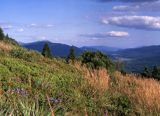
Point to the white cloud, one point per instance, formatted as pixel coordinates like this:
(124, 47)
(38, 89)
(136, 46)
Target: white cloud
(117, 34)
(34, 25)
(137, 22)
(20, 30)
(49, 25)
(146, 6)
(106, 35)
(126, 8)
(6, 27)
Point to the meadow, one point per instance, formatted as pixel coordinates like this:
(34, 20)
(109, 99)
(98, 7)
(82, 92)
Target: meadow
(32, 85)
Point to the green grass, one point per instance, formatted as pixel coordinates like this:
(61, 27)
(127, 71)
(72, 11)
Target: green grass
(27, 77)
(31, 85)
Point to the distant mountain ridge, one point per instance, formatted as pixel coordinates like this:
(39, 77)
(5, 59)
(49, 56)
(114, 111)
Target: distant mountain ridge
(57, 49)
(140, 52)
(62, 50)
(135, 59)
(104, 49)
(147, 56)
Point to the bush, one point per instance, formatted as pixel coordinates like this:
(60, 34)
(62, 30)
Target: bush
(96, 60)
(120, 105)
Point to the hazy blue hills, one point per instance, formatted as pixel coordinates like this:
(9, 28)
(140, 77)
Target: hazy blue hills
(57, 49)
(136, 59)
(141, 52)
(104, 49)
(62, 50)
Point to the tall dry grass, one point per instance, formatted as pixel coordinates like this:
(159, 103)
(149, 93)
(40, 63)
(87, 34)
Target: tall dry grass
(143, 93)
(98, 79)
(5, 46)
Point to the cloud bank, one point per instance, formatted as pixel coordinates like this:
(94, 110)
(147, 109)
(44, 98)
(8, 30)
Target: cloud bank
(137, 22)
(106, 35)
(6, 26)
(147, 6)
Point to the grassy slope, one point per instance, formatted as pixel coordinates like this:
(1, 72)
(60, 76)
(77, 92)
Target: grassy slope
(37, 76)
(31, 84)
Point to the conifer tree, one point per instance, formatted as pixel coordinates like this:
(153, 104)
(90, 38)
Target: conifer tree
(71, 55)
(7, 37)
(46, 52)
(1, 34)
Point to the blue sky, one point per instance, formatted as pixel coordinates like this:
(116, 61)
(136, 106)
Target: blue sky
(117, 23)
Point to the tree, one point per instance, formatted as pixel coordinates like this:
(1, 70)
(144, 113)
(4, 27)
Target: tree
(7, 36)
(71, 55)
(146, 72)
(156, 73)
(152, 73)
(1, 34)
(46, 51)
(96, 60)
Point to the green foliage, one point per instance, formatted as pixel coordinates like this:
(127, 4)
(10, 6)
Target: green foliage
(156, 72)
(152, 73)
(71, 55)
(96, 60)
(4, 71)
(67, 90)
(146, 72)
(22, 107)
(27, 78)
(25, 54)
(1, 34)
(46, 51)
(120, 105)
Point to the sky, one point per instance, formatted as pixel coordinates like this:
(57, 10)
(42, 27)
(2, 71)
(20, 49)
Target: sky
(114, 23)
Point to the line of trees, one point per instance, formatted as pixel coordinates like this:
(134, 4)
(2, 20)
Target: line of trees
(93, 60)
(152, 73)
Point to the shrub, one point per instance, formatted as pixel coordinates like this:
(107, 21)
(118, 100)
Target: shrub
(96, 60)
(120, 105)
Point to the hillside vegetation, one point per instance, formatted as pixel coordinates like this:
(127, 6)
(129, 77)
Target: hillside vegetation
(31, 84)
